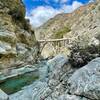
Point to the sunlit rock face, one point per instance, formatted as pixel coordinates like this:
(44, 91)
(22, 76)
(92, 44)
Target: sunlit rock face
(17, 39)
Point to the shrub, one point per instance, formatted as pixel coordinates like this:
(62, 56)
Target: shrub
(81, 56)
(61, 32)
(17, 13)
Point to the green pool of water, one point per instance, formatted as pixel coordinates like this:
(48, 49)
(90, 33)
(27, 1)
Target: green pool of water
(15, 84)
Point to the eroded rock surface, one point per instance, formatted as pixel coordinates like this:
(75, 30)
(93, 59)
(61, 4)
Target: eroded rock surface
(86, 81)
(17, 39)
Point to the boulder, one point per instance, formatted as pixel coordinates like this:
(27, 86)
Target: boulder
(86, 81)
(57, 62)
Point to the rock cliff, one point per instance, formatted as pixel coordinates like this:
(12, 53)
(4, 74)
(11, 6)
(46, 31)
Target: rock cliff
(17, 40)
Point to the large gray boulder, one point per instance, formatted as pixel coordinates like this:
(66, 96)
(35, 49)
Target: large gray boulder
(57, 62)
(86, 81)
(56, 69)
(52, 66)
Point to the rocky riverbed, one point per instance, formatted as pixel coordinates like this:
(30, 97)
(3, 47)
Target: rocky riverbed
(58, 80)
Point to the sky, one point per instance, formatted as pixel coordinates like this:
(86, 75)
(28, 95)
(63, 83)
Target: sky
(40, 11)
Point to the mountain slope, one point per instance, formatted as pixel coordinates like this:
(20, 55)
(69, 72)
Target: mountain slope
(81, 26)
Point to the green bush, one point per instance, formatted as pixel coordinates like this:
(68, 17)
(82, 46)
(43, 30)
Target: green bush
(61, 32)
(99, 8)
(81, 56)
(17, 14)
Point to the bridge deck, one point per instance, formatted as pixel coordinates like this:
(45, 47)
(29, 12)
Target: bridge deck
(53, 40)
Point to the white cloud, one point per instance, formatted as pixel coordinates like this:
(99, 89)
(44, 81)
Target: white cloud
(91, 1)
(76, 4)
(41, 14)
(70, 8)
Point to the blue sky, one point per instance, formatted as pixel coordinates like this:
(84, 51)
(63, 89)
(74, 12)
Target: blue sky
(39, 11)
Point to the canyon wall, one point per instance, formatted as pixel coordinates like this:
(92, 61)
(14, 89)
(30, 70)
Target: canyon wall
(17, 40)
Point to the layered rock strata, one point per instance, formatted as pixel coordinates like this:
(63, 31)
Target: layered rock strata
(17, 40)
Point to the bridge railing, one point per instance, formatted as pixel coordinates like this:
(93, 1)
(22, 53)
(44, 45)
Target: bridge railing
(53, 40)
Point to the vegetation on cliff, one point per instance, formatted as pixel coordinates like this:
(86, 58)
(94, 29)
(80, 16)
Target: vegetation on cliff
(61, 32)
